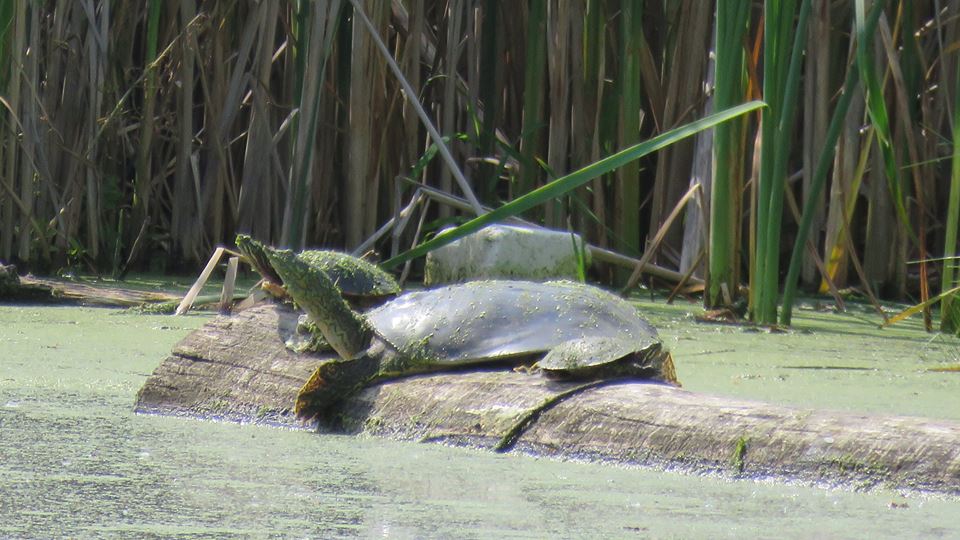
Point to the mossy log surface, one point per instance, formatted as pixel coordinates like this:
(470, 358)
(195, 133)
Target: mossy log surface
(237, 368)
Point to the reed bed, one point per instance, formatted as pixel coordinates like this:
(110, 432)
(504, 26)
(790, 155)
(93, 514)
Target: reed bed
(141, 135)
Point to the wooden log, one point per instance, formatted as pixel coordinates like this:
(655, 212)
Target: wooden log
(238, 368)
(38, 290)
(14, 288)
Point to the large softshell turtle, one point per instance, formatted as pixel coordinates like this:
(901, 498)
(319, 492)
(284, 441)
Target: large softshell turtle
(471, 323)
(484, 320)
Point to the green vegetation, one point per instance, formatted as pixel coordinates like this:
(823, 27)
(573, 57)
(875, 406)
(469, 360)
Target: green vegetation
(739, 453)
(732, 19)
(140, 135)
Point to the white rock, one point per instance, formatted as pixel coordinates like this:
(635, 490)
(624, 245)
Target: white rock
(507, 251)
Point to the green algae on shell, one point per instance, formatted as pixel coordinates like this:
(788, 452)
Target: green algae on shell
(355, 277)
(598, 356)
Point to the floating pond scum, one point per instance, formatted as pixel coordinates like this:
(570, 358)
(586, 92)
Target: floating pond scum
(78, 463)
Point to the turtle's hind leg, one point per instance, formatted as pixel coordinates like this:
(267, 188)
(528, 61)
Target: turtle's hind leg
(331, 381)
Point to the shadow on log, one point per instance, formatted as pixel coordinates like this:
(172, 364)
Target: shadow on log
(237, 368)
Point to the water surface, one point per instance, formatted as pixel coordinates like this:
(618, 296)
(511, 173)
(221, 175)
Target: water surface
(76, 462)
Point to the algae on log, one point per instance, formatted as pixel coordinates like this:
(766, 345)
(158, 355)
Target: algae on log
(238, 368)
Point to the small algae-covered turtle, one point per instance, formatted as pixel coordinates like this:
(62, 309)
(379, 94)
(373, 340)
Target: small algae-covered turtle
(586, 332)
(592, 357)
(361, 282)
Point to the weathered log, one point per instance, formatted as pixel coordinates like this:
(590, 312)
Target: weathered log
(238, 368)
(14, 288)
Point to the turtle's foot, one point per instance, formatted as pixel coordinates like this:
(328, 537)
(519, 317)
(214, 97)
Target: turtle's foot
(332, 381)
(529, 369)
(308, 339)
(273, 289)
(668, 372)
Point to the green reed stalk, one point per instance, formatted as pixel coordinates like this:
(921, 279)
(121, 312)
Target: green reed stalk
(534, 75)
(877, 109)
(823, 166)
(628, 186)
(780, 81)
(564, 185)
(732, 19)
(950, 309)
(817, 183)
(6, 30)
(594, 114)
(316, 42)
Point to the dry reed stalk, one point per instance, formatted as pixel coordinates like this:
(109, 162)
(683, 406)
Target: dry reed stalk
(362, 156)
(589, 112)
(905, 125)
(695, 240)
(684, 70)
(449, 111)
(410, 60)
(257, 188)
(220, 195)
(881, 239)
(843, 195)
(30, 142)
(142, 184)
(10, 149)
(254, 208)
(627, 188)
(658, 238)
(816, 101)
(559, 15)
(97, 39)
(184, 207)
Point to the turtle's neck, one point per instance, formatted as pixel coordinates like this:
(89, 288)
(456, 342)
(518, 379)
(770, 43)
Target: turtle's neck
(345, 330)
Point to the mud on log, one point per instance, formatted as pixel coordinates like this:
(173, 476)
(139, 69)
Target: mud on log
(237, 368)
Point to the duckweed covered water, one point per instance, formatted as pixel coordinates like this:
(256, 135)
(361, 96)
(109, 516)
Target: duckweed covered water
(76, 462)
(840, 361)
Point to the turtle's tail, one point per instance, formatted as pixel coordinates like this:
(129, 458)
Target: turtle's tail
(332, 381)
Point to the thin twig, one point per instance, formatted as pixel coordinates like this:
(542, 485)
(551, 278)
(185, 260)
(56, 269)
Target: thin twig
(657, 238)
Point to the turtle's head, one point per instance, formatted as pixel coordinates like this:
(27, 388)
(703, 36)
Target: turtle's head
(345, 330)
(255, 254)
(655, 361)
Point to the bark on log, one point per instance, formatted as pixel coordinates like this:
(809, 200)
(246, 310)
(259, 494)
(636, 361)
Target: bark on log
(237, 368)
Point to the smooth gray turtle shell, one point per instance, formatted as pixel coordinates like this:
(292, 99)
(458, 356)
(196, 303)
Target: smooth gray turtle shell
(486, 320)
